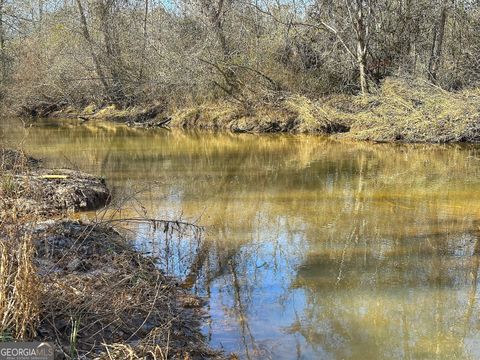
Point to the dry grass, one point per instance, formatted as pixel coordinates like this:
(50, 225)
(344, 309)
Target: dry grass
(294, 114)
(399, 110)
(412, 112)
(408, 111)
(20, 287)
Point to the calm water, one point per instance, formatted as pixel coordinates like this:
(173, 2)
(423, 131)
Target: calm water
(315, 249)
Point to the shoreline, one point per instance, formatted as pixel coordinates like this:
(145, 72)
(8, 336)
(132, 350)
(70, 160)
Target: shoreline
(83, 285)
(398, 112)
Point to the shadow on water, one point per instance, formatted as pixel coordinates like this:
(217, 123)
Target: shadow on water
(314, 248)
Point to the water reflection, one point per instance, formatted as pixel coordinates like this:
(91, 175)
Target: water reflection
(315, 248)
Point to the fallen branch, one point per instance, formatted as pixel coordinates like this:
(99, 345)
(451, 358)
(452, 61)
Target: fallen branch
(155, 222)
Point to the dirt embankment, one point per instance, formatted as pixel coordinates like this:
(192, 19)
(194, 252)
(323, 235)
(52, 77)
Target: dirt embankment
(32, 189)
(115, 301)
(399, 110)
(81, 285)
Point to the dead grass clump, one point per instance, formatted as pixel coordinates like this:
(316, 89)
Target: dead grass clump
(416, 112)
(19, 284)
(295, 114)
(207, 116)
(316, 117)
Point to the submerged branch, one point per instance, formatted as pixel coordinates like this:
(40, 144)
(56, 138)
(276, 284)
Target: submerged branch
(155, 222)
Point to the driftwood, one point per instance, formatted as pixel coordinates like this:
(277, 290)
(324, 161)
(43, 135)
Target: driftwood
(53, 191)
(152, 123)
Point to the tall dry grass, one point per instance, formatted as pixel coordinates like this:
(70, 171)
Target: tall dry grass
(19, 287)
(412, 111)
(407, 110)
(19, 283)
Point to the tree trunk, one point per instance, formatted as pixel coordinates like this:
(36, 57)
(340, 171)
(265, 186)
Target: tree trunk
(144, 48)
(88, 38)
(112, 51)
(361, 35)
(437, 45)
(214, 15)
(230, 76)
(2, 44)
(362, 65)
(410, 49)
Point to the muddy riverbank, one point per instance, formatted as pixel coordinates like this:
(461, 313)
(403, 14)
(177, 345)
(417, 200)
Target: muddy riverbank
(30, 188)
(399, 111)
(115, 300)
(81, 284)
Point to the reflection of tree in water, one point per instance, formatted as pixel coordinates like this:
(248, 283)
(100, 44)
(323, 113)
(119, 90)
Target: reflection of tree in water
(408, 306)
(376, 240)
(397, 297)
(202, 261)
(359, 253)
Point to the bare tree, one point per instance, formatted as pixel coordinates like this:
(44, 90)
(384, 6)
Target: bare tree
(91, 46)
(145, 38)
(361, 26)
(113, 58)
(437, 42)
(215, 13)
(190, 50)
(359, 15)
(2, 42)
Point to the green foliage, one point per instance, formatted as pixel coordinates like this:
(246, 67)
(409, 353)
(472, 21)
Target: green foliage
(6, 336)
(75, 323)
(8, 187)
